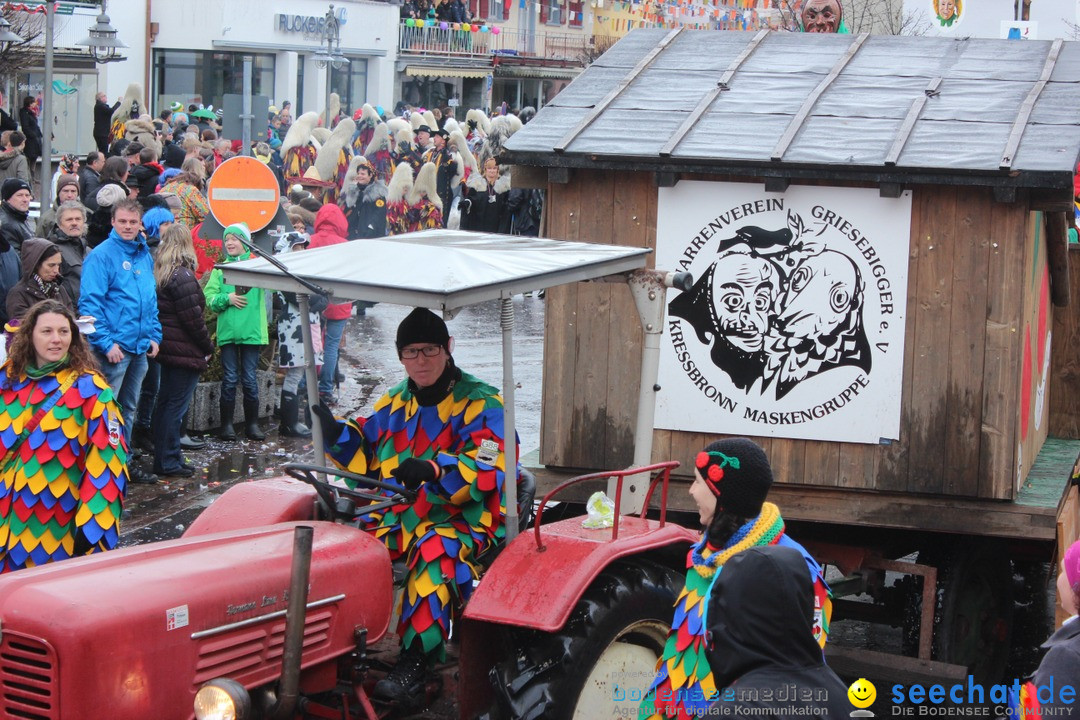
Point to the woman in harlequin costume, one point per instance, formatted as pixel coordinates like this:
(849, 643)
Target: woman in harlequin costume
(731, 479)
(439, 432)
(63, 459)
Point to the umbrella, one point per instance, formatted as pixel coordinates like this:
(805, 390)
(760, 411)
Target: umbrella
(204, 114)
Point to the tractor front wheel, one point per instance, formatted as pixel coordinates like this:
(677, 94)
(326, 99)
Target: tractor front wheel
(602, 659)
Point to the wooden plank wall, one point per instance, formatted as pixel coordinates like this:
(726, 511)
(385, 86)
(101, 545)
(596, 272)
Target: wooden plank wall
(967, 294)
(1065, 359)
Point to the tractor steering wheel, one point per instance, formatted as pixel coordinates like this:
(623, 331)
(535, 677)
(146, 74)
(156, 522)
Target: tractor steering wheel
(340, 500)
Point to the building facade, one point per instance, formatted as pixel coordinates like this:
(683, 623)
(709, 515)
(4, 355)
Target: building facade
(518, 52)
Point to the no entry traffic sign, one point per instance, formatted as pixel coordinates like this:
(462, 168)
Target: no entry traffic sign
(242, 189)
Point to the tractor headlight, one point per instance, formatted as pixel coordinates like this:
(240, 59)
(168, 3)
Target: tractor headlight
(222, 699)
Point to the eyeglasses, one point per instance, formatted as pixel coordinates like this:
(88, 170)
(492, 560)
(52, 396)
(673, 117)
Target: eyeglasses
(412, 353)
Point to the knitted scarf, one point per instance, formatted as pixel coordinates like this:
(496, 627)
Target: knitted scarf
(684, 686)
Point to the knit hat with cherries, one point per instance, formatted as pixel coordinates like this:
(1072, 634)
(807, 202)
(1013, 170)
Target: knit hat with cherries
(738, 473)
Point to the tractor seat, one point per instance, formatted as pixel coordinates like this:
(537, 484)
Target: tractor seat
(526, 487)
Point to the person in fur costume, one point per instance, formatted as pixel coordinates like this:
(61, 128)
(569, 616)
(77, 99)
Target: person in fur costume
(499, 131)
(478, 125)
(300, 149)
(335, 112)
(332, 162)
(483, 200)
(425, 206)
(406, 151)
(396, 125)
(378, 153)
(449, 169)
(363, 200)
(129, 109)
(143, 132)
(397, 204)
(365, 129)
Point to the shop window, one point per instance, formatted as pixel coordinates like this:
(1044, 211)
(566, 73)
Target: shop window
(350, 83)
(196, 76)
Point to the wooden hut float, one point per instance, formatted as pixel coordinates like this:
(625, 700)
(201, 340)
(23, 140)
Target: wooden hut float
(878, 231)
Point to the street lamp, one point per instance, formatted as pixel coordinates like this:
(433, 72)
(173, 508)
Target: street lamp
(104, 47)
(331, 56)
(6, 36)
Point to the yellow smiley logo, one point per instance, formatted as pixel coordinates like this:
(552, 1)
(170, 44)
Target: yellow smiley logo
(862, 693)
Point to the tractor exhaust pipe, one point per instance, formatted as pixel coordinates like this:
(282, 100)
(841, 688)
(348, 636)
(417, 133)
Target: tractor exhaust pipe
(289, 685)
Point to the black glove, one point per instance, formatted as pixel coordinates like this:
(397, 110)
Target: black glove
(413, 473)
(331, 428)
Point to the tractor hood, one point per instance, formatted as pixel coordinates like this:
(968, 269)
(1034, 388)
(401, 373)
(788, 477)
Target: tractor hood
(133, 633)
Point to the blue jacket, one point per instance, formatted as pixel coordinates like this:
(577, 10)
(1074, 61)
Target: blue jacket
(118, 289)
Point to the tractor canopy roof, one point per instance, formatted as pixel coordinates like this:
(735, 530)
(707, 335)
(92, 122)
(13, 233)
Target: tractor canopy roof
(803, 105)
(438, 269)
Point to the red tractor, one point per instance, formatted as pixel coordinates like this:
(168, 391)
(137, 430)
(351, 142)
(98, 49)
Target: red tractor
(240, 619)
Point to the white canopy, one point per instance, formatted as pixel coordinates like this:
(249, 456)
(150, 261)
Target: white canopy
(444, 270)
(439, 269)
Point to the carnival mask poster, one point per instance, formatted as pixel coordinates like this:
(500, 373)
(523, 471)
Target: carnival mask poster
(795, 324)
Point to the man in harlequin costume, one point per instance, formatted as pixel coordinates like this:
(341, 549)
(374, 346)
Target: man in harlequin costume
(63, 470)
(731, 479)
(440, 433)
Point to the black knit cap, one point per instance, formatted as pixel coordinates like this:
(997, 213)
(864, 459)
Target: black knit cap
(738, 473)
(422, 326)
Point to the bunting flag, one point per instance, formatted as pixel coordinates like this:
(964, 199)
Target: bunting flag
(63, 489)
(454, 518)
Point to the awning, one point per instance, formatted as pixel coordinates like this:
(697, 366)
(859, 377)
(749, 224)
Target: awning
(526, 71)
(431, 71)
(448, 269)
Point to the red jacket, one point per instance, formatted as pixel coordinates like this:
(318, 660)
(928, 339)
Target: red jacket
(330, 229)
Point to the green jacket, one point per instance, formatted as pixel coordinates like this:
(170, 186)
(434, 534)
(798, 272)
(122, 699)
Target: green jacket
(244, 326)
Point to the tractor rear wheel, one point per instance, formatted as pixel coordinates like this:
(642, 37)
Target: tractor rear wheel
(974, 610)
(607, 649)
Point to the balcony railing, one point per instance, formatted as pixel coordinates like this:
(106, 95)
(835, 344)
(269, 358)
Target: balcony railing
(437, 42)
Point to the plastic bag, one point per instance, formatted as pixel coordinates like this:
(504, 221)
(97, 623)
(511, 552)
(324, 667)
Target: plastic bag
(601, 511)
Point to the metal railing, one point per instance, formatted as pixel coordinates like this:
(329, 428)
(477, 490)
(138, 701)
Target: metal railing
(438, 42)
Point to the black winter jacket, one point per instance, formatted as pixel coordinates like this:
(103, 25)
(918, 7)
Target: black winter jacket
(32, 130)
(72, 252)
(185, 341)
(484, 209)
(145, 178)
(100, 223)
(760, 630)
(365, 210)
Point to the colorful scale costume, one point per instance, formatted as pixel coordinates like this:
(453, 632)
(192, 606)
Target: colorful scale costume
(67, 477)
(453, 518)
(297, 161)
(684, 686)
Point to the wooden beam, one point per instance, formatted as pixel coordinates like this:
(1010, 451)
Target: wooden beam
(528, 177)
(853, 507)
(1020, 123)
(776, 184)
(800, 117)
(706, 102)
(890, 190)
(558, 175)
(856, 662)
(601, 106)
(1005, 193)
(1057, 257)
(910, 119)
(665, 179)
